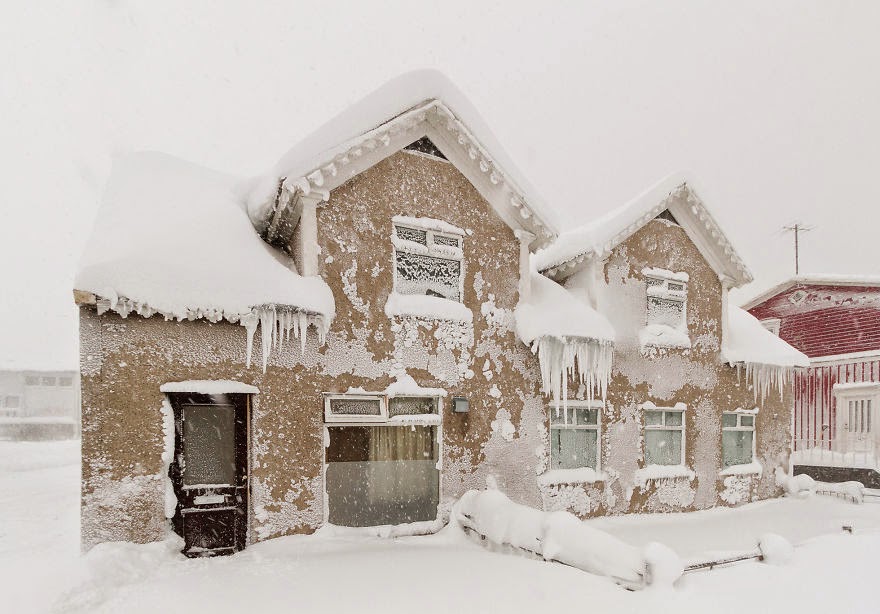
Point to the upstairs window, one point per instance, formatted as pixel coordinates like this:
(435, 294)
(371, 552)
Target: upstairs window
(737, 439)
(427, 258)
(664, 435)
(772, 324)
(666, 309)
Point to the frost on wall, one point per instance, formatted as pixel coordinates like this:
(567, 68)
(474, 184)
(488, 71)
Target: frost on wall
(737, 489)
(566, 497)
(129, 509)
(300, 507)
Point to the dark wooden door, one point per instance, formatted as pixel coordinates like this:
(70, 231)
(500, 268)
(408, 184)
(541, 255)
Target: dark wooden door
(209, 472)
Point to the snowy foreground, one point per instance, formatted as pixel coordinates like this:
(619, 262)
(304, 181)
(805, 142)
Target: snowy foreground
(40, 570)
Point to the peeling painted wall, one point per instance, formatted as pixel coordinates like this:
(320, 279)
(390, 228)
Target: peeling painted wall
(506, 433)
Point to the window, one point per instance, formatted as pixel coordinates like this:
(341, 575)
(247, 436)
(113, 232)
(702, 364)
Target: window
(664, 436)
(427, 258)
(12, 402)
(666, 312)
(383, 473)
(32, 380)
(857, 409)
(574, 442)
(48, 380)
(65, 381)
(354, 408)
(737, 439)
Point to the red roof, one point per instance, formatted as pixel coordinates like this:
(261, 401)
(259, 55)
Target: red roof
(824, 320)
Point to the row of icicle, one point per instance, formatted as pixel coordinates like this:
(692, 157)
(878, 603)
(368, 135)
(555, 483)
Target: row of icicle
(276, 324)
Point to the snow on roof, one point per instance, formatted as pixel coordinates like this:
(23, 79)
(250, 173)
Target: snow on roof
(320, 158)
(553, 311)
(822, 279)
(600, 236)
(174, 236)
(748, 342)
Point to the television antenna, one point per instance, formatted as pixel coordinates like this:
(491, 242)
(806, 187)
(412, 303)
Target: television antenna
(797, 228)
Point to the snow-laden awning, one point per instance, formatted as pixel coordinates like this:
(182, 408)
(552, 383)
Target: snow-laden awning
(768, 360)
(569, 337)
(174, 238)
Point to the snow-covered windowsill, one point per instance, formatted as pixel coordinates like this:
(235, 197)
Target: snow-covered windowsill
(581, 475)
(662, 472)
(663, 336)
(428, 307)
(752, 468)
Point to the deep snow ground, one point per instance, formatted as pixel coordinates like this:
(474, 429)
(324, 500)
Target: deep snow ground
(40, 570)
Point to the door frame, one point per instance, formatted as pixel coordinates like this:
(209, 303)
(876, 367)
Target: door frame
(242, 407)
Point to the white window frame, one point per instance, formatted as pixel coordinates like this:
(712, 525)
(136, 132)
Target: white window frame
(432, 249)
(599, 406)
(384, 416)
(678, 408)
(333, 418)
(739, 427)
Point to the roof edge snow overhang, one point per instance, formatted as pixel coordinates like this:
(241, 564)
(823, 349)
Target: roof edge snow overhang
(434, 119)
(852, 281)
(692, 215)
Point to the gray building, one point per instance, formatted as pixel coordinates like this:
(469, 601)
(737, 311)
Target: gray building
(38, 405)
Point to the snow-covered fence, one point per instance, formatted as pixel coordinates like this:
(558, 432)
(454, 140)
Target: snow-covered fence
(563, 538)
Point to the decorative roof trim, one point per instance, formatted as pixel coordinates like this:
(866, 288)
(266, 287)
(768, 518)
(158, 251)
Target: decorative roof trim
(435, 120)
(844, 281)
(693, 217)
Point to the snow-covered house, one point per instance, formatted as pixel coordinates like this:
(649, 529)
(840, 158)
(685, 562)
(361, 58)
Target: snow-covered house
(835, 320)
(389, 318)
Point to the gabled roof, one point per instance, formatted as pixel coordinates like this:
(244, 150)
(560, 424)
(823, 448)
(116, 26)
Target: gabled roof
(573, 249)
(412, 106)
(827, 279)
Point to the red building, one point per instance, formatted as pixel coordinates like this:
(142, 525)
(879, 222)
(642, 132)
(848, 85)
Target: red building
(835, 320)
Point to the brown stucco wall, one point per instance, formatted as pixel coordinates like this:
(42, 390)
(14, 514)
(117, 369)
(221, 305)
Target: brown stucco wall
(124, 362)
(696, 377)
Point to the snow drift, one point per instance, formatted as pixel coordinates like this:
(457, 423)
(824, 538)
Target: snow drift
(562, 537)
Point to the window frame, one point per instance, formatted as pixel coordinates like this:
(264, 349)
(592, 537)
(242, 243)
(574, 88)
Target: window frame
(599, 406)
(330, 417)
(739, 427)
(431, 249)
(847, 393)
(678, 408)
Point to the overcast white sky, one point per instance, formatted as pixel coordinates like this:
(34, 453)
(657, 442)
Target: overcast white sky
(772, 105)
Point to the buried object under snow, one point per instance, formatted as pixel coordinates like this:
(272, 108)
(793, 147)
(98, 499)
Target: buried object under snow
(564, 538)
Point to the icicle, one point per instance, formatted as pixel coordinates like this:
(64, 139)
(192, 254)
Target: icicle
(561, 359)
(249, 321)
(303, 326)
(764, 377)
(267, 330)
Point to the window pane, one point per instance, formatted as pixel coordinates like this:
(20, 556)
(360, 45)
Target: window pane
(65, 381)
(663, 447)
(665, 311)
(572, 448)
(31, 380)
(48, 381)
(557, 416)
(747, 420)
(209, 444)
(673, 418)
(12, 402)
(419, 274)
(412, 234)
(653, 418)
(441, 240)
(379, 475)
(736, 447)
(728, 420)
(356, 407)
(408, 406)
(586, 416)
